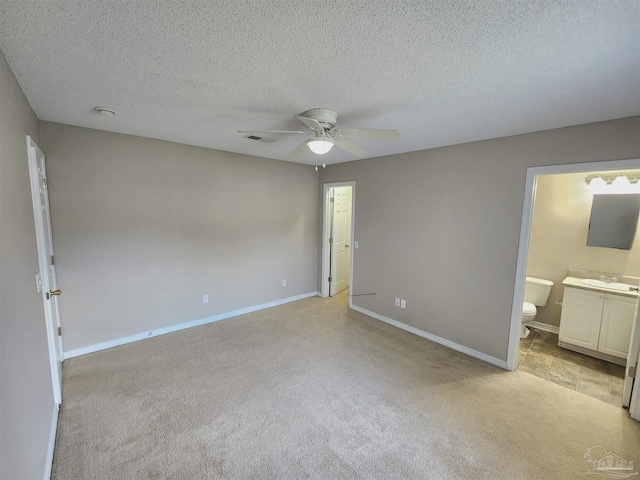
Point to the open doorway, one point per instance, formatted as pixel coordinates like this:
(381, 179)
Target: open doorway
(338, 231)
(575, 318)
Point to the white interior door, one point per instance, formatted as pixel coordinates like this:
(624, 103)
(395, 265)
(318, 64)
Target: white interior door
(348, 246)
(339, 240)
(632, 362)
(46, 278)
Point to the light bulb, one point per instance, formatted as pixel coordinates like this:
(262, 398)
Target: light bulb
(621, 182)
(324, 165)
(597, 185)
(320, 146)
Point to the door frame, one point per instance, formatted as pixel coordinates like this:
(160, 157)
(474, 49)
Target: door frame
(628, 392)
(326, 227)
(53, 341)
(634, 404)
(525, 234)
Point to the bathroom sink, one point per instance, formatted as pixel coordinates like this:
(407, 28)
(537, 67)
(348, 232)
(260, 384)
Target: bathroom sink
(623, 287)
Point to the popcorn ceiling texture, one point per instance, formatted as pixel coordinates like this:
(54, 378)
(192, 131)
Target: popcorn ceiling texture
(442, 72)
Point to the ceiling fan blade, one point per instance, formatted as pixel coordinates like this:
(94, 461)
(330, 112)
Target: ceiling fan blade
(381, 133)
(311, 123)
(350, 147)
(298, 151)
(273, 131)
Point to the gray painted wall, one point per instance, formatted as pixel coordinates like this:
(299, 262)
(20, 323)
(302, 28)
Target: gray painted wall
(559, 230)
(440, 227)
(26, 396)
(143, 228)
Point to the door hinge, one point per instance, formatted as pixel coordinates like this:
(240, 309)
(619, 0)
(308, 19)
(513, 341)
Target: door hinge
(330, 279)
(331, 240)
(53, 261)
(332, 200)
(59, 331)
(633, 371)
(44, 183)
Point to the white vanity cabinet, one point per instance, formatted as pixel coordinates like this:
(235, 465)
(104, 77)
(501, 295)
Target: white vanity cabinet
(581, 317)
(597, 321)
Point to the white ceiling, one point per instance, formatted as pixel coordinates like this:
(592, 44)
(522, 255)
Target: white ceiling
(442, 72)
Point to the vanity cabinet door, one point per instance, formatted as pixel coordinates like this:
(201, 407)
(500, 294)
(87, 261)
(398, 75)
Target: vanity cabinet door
(618, 316)
(581, 317)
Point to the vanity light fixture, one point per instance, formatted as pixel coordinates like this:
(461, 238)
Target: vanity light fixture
(615, 183)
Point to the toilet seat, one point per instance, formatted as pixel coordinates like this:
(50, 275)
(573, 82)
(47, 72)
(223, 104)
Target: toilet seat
(528, 308)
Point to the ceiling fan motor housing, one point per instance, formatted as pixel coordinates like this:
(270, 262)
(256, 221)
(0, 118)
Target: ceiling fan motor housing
(324, 116)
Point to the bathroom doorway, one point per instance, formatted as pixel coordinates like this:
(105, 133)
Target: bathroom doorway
(544, 338)
(338, 233)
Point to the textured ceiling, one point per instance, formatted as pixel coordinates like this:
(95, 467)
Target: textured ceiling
(443, 72)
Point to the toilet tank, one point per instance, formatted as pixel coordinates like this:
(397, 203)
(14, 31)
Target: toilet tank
(536, 291)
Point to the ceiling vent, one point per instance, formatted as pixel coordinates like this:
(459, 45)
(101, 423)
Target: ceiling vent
(259, 139)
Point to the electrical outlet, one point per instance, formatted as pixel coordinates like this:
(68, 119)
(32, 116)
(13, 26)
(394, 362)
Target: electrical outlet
(397, 302)
(403, 304)
(284, 283)
(355, 244)
(205, 298)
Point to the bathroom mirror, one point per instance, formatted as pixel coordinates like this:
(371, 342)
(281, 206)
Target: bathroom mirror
(614, 220)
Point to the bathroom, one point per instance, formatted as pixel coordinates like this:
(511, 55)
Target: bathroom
(560, 232)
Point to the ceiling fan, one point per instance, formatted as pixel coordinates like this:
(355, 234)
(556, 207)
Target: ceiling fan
(322, 122)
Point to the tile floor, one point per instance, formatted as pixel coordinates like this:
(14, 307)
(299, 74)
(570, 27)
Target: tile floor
(540, 355)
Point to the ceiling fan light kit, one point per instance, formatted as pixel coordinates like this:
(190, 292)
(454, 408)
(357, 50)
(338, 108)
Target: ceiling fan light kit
(320, 146)
(322, 122)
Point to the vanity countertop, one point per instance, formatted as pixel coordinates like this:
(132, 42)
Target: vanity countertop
(575, 282)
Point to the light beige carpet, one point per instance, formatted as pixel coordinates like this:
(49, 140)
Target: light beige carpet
(313, 390)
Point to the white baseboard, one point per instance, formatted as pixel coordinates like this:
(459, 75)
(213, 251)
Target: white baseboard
(544, 327)
(429, 336)
(181, 326)
(52, 443)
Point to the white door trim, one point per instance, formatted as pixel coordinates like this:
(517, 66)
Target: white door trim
(326, 205)
(52, 336)
(632, 360)
(525, 232)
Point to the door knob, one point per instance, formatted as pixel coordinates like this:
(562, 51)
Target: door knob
(52, 293)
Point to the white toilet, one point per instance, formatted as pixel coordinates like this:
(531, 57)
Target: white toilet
(536, 292)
